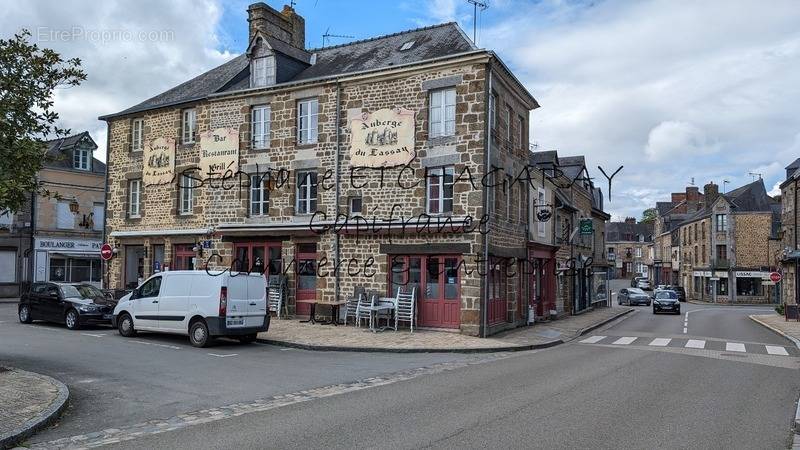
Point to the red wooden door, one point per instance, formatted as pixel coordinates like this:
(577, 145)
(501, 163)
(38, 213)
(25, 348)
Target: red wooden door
(438, 287)
(183, 257)
(498, 284)
(306, 276)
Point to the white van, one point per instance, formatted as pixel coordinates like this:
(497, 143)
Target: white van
(200, 304)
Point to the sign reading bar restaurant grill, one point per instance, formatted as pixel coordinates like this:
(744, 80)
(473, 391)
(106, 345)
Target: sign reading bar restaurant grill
(384, 138)
(219, 153)
(159, 161)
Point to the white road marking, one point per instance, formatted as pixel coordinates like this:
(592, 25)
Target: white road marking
(93, 335)
(593, 340)
(684, 330)
(624, 340)
(734, 347)
(660, 342)
(173, 347)
(775, 350)
(695, 343)
(223, 356)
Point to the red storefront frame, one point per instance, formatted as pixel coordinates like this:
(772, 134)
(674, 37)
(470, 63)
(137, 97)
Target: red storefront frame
(182, 255)
(498, 291)
(306, 261)
(541, 267)
(439, 302)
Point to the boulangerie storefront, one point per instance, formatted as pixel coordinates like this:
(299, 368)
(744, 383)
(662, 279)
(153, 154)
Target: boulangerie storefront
(67, 260)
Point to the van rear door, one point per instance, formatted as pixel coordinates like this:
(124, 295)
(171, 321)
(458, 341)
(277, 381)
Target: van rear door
(257, 293)
(238, 302)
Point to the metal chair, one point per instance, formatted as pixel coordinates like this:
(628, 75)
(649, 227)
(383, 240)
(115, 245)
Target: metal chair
(405, 307)
(275, 299)
(364, 308)
(352, 304)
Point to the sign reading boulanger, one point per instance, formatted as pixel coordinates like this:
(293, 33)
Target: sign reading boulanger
(384, 138)
(159, 161)
(219, 153)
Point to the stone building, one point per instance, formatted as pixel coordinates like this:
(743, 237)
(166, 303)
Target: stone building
(15, 251)
(790, 245)
(666, 233)
(730, 246)
(629, 245)
(383, 163)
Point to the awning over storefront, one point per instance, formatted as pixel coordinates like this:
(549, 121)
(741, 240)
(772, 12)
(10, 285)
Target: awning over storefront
(794, 255)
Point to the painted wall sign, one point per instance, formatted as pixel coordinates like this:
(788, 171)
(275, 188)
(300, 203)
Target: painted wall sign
(219, 153)
(752, 274)
(384, 138)
(67, 245)
(159, 161)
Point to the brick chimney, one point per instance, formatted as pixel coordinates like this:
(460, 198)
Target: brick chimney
(630, 220)
(678, 197)
(693, 199)
(710, 193)
(286, 26)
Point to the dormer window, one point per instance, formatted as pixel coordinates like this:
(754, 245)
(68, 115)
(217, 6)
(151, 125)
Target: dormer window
(407, 46)
(80, 159)
(262, 71)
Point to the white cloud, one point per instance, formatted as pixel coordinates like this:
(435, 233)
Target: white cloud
(673, 139)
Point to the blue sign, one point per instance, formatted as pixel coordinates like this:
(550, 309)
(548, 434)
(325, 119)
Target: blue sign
(157, 266)
(207, 244)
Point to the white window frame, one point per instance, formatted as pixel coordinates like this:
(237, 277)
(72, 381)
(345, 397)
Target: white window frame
(442, 112)
(98, 210)
(436, 179)
(137, 134)
(135, 198)
(306, 202)
(188, 125)
(260, 126)
(81, 158)
(262, 71)
(721, 227)
(541, 199)
(307, 122)
(259, 195)
(186, 195)
(638, 252)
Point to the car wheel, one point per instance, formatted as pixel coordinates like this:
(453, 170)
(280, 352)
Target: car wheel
(25, 314)
(654, 310)
(198, 334)
(125, 326)
(71, 319)
(247, 338)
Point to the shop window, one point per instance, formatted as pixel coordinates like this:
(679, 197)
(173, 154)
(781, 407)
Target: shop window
(749, 286)
(58, 269)
(451, 278)
(137, 134)
(306, 192)
(307, 111)
(134, 198)
(188, 125)
(440, 190)
(260, 126)
(8, 266)
(65, 219)
(259, 195)
(722, 286)
(442, 112)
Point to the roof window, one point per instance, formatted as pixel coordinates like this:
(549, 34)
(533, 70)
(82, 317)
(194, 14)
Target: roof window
(407, 46)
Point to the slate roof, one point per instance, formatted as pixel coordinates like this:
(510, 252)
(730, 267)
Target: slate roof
(376, 53)
(751, 197)
(545, 157)
(572, 165)
(664, 207)
(616, 231)
(59, 152)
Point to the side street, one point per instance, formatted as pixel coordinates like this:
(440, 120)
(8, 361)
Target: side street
(397, 230)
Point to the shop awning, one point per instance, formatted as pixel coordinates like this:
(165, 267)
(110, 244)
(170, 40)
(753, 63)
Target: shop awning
(73, 254)
(792, 256)
(173, 232)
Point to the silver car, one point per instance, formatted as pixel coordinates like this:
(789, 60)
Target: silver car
(644, 284)
(633, 296)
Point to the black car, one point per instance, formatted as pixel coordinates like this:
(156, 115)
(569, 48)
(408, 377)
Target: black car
(666, 301)
(633, 296)
(680, 291)
(73, 304)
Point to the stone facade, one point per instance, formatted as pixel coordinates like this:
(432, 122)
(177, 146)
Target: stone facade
(789, 250)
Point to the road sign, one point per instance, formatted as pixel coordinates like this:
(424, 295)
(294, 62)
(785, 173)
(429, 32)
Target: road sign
(586, 226)
(775, 277)
(106, 252)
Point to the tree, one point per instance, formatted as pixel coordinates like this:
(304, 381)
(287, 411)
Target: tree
(28, 76)
(649, 215)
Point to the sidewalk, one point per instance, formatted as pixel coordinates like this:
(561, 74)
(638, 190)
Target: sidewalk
(28, 402)
(776, 322)
(292, 333)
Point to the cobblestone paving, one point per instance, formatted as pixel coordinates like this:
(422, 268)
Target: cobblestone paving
(151, 427)
(23, 396)
(291, 331)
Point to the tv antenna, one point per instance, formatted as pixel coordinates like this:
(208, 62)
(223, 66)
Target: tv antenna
(724, 182)
(753, 174)
(691, 183)
(326, 37)
(475, 5)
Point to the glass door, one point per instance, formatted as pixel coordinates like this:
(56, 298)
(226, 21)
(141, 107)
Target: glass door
(306, 258)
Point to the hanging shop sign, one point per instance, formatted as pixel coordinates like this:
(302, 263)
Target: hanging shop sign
(587, 227)
(384, 138)
(159, 161)
(219, 153)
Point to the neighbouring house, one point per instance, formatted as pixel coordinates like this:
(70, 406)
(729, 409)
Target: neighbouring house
(381, 164)
(790, 245)
(629, 243)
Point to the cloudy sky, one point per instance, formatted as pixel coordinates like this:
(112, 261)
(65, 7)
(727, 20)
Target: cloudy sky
(673, 90)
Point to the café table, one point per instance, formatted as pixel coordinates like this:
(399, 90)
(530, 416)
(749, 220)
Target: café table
(382, 304)
(335, 305)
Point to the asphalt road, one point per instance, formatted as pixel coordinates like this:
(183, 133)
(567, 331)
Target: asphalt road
(601, 394)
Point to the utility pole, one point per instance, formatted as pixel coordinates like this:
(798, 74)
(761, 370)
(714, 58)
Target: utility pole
(475, 5)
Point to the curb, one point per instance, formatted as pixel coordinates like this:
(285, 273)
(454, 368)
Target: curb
(45, 418)
(508, 348)
(770, 306)
(797, 419)
(336, 348)
(793, 340)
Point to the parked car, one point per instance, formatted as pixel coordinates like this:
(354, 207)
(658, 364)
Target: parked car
(644, 283)
(666, 301)
(200, 304)
(681, 293)
(73, 304)
(633, 296)
(635, 281)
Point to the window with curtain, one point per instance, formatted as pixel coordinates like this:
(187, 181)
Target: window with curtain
(259, 195)
(189, 125)
(186, 195)
(442, 112)
(440, 190)
(307, 111)
(260, 126)
(306, 192)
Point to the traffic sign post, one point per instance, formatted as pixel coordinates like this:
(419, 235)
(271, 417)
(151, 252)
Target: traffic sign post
(106, 252)
(775, 277)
